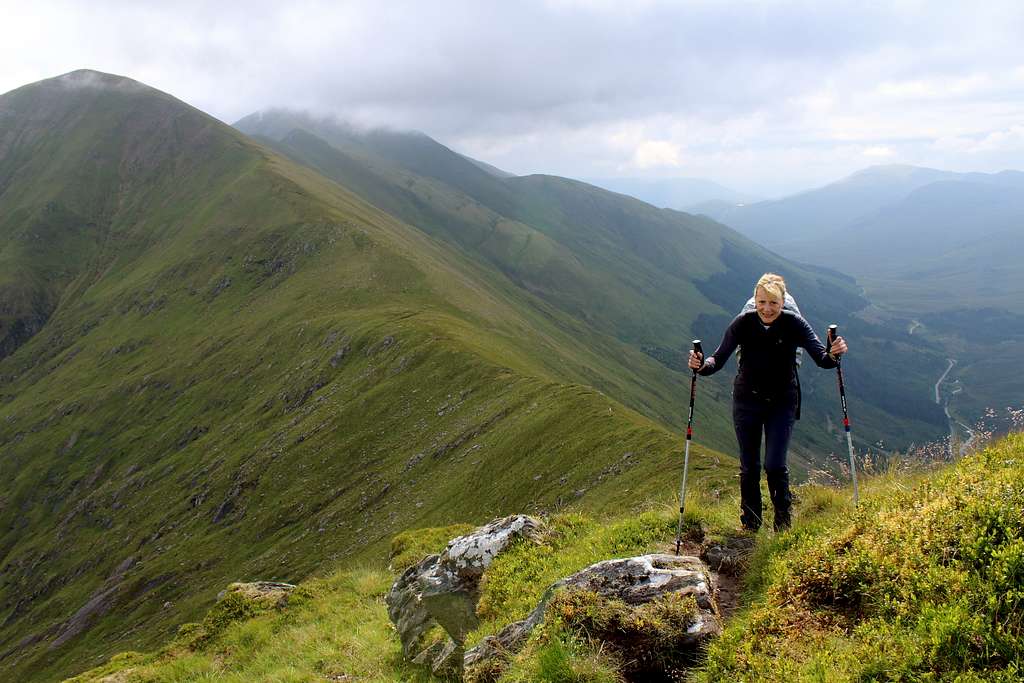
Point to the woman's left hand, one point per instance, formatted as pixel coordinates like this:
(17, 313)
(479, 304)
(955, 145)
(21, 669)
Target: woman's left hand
(838, 347)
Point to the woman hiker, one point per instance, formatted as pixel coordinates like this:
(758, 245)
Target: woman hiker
(766, 393)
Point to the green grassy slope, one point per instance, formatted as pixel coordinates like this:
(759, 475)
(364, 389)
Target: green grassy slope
(922, 583)
(338, 625)
(257, 374)
(64, 197)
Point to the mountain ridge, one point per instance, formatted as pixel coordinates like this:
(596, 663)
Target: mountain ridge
(616, 239)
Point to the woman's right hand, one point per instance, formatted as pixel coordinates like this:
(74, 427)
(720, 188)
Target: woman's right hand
(696, 360)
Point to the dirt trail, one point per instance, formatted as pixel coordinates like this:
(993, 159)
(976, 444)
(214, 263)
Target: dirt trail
(727, 563)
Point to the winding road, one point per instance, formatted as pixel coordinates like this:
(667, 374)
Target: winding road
(938, 398)
(949, 418)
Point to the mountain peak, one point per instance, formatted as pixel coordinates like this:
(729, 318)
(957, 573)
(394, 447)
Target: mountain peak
(82, 79)
(889, 172)
(48, 93)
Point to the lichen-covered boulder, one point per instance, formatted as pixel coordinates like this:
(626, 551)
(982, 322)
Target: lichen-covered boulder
(675, 593)
(266, 594)
(444, 589)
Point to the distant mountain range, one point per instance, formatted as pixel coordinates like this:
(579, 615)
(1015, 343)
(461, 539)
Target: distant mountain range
(259, 353)
(953, 231)
(683, 194)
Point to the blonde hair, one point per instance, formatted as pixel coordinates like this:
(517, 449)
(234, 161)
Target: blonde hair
(773, 284)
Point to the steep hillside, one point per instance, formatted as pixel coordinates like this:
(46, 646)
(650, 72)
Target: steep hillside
(652, 278)
(923, 582)
(65, 197)
(246, 370)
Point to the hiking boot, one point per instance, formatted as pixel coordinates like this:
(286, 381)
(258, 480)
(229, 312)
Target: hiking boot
(782, 499)
(750, 500)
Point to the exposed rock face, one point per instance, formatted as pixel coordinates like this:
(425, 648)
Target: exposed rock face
(444, 589)
(99, 604)
(635, 581)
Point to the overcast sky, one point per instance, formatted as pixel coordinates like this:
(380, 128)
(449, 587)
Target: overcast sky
(764, 97)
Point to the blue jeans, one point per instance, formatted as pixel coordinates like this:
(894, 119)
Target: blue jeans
(774, 418)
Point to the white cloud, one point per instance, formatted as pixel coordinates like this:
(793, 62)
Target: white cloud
(879, 152)
(764, 95)
(1009, 140)
(656, 154)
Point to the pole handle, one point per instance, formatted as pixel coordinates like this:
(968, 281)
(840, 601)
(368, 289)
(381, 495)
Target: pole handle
(830, 336)
(697, 350)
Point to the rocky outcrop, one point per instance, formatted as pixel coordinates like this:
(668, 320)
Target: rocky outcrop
(677, 593)
(99, 603)
(443, 590)
(634, 581)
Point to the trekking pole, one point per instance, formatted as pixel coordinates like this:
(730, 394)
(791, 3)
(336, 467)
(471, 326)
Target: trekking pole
(686, 456)
(833, 332)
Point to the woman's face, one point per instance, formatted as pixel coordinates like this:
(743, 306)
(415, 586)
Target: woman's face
(768, 307)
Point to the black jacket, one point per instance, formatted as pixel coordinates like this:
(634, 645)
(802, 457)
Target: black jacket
(766, 368)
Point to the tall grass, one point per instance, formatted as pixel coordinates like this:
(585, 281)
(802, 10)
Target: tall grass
(923, 582)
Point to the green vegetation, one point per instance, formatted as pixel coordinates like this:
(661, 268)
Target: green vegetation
(338, 626)
(337, 629)
(638, 639)
(922, 583)
(409, 547)
(518, 578)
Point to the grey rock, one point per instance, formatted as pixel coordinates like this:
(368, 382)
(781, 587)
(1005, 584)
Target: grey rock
(340, 354)
(448, 664)
(99, 603)
(410, 617)
(383, 345)
(432, 653)
(444, 589)
(635, 581)
(505, 644)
